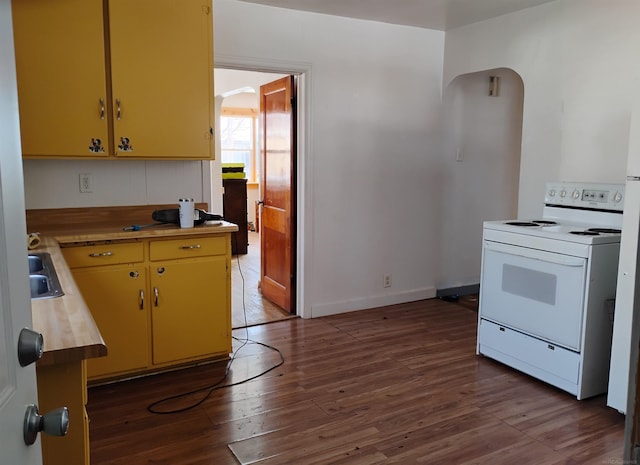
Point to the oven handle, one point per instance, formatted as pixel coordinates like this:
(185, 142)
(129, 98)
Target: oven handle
(558, 259)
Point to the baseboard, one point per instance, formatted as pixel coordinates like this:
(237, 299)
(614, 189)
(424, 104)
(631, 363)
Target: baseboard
(353, 305)
(459, 290)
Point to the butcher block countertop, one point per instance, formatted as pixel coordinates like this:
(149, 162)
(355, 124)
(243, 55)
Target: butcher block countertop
(69, 331)
(65, 322)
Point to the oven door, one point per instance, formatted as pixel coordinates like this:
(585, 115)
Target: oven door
(537, 292)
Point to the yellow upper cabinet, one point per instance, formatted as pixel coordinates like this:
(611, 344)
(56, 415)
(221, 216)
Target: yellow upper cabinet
(149, 61)
(162, 77)
(62, 82)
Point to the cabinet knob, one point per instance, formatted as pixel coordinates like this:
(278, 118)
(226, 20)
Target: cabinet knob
(55, 423)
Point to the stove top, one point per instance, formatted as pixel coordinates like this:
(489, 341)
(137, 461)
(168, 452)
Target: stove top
(582, 213)
(582, 233)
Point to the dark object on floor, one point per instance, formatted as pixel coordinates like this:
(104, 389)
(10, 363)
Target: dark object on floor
(234, 209)
(450, 298)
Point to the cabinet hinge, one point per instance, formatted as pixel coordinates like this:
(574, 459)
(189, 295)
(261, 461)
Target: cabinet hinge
(206, 9)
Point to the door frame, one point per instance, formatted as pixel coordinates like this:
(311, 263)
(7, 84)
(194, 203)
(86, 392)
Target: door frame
(304, 199)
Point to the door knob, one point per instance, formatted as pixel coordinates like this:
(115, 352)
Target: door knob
(30, 347)
(55, 423)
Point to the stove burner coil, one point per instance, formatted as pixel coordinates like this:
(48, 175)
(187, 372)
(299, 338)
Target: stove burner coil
(521, 223)
(585, 233)
(605, 230)
(545, 222)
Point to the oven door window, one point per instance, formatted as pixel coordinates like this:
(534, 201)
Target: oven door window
(533, 291)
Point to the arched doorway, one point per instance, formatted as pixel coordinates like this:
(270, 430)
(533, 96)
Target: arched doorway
(481, 166)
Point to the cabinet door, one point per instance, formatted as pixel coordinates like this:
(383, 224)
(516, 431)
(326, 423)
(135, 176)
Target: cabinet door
(191, 315)
(58, 385)
(118, 302)
(60, 60)
(162, 78)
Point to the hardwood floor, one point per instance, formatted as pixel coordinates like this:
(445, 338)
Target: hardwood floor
(395, 385)
(248, 308)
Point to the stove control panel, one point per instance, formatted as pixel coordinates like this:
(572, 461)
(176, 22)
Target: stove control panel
(597, 196)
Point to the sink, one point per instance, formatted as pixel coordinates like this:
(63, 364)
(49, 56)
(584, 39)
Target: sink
(36, 264)
(40, 285)
(43, 280)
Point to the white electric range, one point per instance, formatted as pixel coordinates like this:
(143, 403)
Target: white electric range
(548, 285)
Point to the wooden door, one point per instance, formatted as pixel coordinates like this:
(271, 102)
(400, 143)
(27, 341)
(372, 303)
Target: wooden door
(277, 222)
(17, 383)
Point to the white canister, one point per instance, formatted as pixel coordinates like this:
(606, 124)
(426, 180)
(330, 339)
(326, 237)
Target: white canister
(186, 212)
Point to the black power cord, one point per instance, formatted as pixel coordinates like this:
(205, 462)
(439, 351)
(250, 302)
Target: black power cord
(218, 384)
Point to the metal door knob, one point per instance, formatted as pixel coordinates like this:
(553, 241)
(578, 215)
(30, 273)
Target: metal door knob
(55, 423)
(30, 347)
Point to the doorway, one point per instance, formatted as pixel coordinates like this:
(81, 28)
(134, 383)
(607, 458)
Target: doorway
(482, 116)
(249, 307)
(238, 93)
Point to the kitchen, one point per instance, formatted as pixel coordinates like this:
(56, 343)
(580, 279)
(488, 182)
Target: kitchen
(578, 88)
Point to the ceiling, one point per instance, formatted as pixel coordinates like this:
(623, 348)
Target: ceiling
(430, 14)
(232, 83)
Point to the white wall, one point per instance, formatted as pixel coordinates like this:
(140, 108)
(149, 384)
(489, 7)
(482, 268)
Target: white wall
(577, 59)
(374, 114)
(55, 183)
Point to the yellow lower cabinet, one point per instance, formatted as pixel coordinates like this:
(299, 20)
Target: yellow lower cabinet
(190, 308)
(118, 299)
(65, 385)
(157, 303)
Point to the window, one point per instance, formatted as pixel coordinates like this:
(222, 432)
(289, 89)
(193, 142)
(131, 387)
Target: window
(238, 134)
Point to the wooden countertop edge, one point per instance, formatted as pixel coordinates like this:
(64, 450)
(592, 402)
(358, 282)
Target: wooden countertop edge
(70, 332)
(102, 233)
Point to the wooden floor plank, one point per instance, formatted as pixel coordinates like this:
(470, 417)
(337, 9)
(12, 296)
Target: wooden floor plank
(396, 385)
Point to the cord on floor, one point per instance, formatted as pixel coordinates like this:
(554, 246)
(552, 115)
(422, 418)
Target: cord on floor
(208, 390)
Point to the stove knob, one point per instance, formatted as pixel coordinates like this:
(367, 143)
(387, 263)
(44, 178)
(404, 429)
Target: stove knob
(617, 197)
(552, 192)
(563, 193)
(575, 194)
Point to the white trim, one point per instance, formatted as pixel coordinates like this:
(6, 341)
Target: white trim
(351, 305)
(304, 200)
(207, 179)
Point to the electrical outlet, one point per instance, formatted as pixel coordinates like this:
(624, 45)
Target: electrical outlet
(86, 182)
(387, 280)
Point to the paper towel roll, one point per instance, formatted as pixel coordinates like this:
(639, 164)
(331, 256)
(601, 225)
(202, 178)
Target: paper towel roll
(186, 212)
